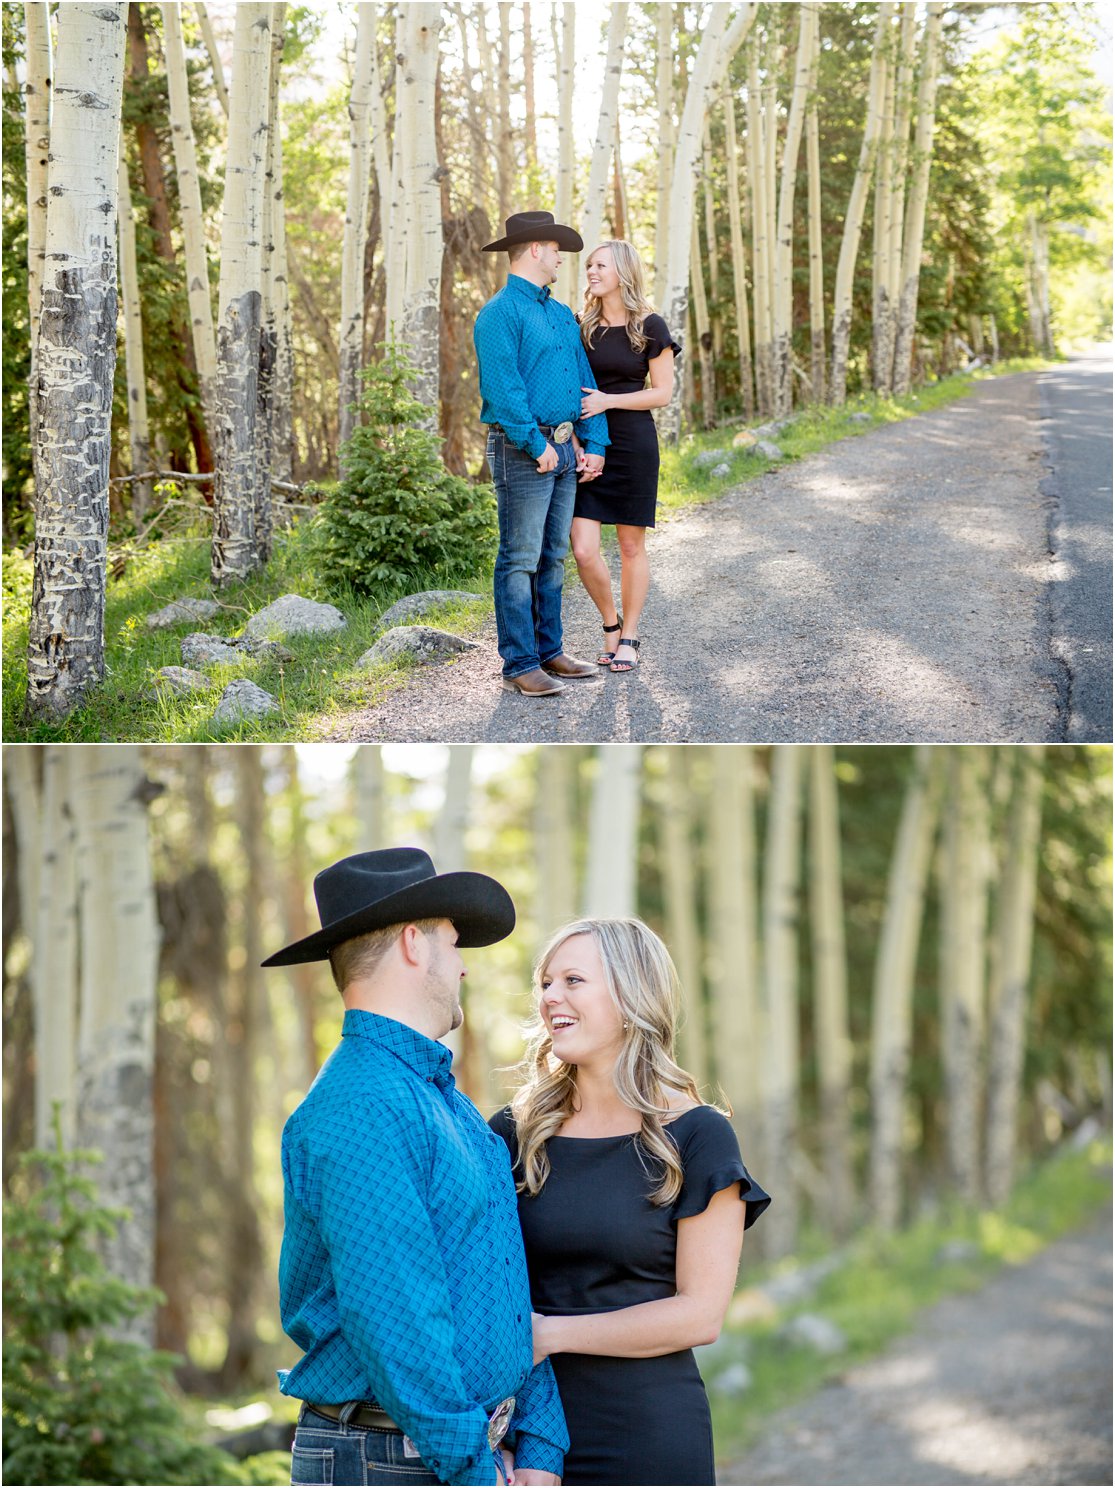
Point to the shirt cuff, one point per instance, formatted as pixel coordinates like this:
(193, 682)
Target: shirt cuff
(590, 447)
(542, 1456)
(535, 446)
(485, 1472)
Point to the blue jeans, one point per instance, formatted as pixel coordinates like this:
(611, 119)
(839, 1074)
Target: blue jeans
(535, 514)
(326, 1451)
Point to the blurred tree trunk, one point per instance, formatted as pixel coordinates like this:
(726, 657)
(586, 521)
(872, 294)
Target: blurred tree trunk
(1014, 933)
(213, 54)
(592, 213)
(528, 100)
(119, 952)
(832, 1035)
(780, 1073)
(368, 789)
(297, 921)
(554, 814)
(784, 232)
(739, 260)
(760, 246)
(896, 213)
(139, 437)
(469, 1044)
(667, 132)
(20, 868)
(566, 60)
(816, 260)
(880, 222)
(704, 334)
(892, 993)
(351, 338)
(621, 213)
(415, 133)
(282, 410)
(613, 848)
(37, 91)
(677, 857)
(711, 246)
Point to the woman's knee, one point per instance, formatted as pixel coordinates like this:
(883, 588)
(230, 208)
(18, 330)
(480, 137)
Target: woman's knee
(585, 545)
(632, 541)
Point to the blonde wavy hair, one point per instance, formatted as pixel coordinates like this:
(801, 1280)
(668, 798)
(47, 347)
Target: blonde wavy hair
(632, 288)
(643, 983)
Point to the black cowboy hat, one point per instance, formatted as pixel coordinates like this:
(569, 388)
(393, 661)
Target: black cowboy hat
(393, 887)
(536, 227)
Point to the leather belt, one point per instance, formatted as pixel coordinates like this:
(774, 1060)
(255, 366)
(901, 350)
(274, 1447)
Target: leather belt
(559, 433)
(364, 1415)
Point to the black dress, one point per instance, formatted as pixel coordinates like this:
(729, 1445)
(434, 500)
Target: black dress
(627, 489)
(594, 1243)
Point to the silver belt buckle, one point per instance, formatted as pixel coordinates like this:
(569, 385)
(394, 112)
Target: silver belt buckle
(563, 433)
(499, 1421)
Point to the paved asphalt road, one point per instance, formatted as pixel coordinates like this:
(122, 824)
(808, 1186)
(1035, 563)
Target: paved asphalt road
(1011, 1384)
(1076, 409)
(895, 587)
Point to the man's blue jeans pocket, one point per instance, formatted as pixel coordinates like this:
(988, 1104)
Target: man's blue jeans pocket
(567, 458)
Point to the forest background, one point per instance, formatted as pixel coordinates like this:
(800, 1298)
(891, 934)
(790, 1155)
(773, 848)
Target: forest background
(837, 200)
(896, 966)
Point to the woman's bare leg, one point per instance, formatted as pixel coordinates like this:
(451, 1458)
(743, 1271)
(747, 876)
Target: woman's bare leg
(634, 584)
(584, 538)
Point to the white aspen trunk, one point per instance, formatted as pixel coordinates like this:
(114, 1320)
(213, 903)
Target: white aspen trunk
(369, 790)
(610, 881)
(282, 413)
(853, 218)
(770, 199)
(531, 127)
(760, 247)
(679, 905)
(719, 43)
(704, 335)
(666, 142)
(116, 1027)
(415, 130)
(621, 212)
(451, 824)
(37, 105)
(556, 899)
(893, 983)
(816, 257)
(76, 362)
(914, 227)
(356, 221)
(396, 219)
(784, 243)
(733, 932)
(896, 214)
(567, 288)
(189, 204)
(139, 436)
(884, 175)
(235, 553)
(834, 1044)
(592, 214)
(268, 333)
(1014, 934)
(739, 259)
(711, 247)
(207, 35)
(780, 1073)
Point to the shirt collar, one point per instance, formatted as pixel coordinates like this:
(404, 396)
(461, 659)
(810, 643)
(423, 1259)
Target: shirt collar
(518, 285)
(429, 1059)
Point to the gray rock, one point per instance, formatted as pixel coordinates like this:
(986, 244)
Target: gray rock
(859, 418)
(291, 614)
(736, 1380)
(800, 1283)
(957, 1250)
(415, 643)
(268, 650)
(768, 431)
(771, 451)
(411, 606)
(243, 699)
(721, 470)
(180, 681)
(710, 457)
(199, 649)
(1084, 1135)
(815, 1332)
(182, 609)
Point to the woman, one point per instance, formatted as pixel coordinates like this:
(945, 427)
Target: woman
(625, 342)
(629, 1201)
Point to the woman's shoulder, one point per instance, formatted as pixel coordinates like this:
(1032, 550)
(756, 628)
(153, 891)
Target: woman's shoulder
(503, 1124)
(697, 1123)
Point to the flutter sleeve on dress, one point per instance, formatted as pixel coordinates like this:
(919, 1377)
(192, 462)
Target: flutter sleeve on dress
(658, 337)
(710, 1159)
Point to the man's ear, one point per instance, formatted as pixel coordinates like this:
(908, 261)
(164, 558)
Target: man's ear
(411, 945)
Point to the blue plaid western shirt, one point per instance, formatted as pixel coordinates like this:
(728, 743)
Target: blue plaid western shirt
(402, 1274)
(532, 367)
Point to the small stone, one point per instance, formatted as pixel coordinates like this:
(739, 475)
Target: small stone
(180, 681)
(266, 650)
(709, 457)
(290, 615)
(816, 1332)
(735, 1380)
(721, 470)
(199, 649)
(411, 606)
(954, 1251)
(182, 609)
(859, 418)
(744, 439)
(415, 643)
(771, 451)
(243, 699)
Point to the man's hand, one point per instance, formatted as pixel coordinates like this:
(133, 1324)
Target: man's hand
(548, 460)
(532, 1475)
(593, 465)
(594, 401)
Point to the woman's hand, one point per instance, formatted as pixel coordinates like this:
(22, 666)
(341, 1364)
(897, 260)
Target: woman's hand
(508, 1464)
(594, 401)
(543, 1340)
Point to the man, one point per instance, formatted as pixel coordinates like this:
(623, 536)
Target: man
(532, 371)
(402, 1274)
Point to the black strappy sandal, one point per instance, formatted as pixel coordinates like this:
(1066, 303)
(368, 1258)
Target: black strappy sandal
(607, 657)
(625, 666)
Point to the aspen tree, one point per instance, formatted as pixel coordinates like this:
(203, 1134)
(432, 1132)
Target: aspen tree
(76, 362)
(780, 1073)
(505, 153)
(666, 142)
(414, 131)
(213, 53)
(369, 791)
(190, 211)
(567, 288)
(679, 905)
(816, 259)
(893, 983)
(880, 248)
(282, 412)
(620, 211)
(235, 553)
(914, 227)
(139, 436)
(610, 883)
(556, 896)
(467, 1042)
(704, 335)
(528, 98)
(592, 214)
(268, 327)
(853, 218)
(760, 245)
(739, 261)
(733, 931)
(784, 240)
(1014, 933)
(711, 247)
(37, 102)
(351, 336)
(896, 213)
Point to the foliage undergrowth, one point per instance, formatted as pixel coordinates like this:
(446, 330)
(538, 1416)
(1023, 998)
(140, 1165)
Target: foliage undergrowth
(323, 682)
(885, 1280)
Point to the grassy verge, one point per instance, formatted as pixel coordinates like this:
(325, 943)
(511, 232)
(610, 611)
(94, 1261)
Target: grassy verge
(884, 1281)
(323, 682)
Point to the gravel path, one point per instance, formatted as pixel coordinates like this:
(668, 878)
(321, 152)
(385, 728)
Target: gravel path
(890, 588)
(1009, 1385)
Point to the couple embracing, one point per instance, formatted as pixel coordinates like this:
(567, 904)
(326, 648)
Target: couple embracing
(571, 445)
(513, 1301)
